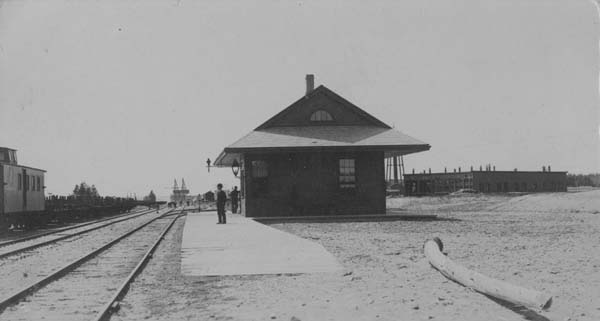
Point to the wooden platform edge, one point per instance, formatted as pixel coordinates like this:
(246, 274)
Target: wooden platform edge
(343, 218)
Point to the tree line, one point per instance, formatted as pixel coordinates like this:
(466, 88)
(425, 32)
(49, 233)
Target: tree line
(85, 192)
(583, 180)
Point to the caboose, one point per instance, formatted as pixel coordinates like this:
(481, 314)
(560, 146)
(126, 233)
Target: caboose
(22, 190)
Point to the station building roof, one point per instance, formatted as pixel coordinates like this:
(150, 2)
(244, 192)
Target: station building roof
(322, 120)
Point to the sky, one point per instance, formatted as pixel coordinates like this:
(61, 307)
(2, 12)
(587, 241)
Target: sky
(128, 95)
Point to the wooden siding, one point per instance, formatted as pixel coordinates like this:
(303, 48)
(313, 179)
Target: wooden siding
(13, 197)
(307, 184)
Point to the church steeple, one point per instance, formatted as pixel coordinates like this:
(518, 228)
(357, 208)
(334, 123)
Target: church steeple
(175, 187)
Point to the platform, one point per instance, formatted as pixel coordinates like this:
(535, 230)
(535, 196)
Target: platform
(245, 247)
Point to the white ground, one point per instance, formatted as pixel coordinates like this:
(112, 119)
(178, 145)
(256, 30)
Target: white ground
(548, 242)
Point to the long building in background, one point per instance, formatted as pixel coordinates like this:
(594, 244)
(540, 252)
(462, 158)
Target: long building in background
(486, 180)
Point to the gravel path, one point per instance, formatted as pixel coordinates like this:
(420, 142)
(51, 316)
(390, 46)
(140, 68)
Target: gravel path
(28, 267)
(160, 292)
(81, 293)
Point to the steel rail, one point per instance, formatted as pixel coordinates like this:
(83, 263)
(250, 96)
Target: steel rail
(113, 304)
(34, 236)
(25, 291)
(60, 238)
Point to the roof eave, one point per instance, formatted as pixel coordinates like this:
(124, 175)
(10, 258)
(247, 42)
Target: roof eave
(412, 148)
(219, 160)
(390, 150)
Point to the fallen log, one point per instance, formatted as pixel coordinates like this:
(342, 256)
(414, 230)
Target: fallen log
(481, 283)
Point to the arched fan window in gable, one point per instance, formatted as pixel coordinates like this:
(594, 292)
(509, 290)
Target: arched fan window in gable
(321, 115)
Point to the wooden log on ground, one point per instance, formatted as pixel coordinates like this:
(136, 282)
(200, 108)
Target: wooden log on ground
(481, 283)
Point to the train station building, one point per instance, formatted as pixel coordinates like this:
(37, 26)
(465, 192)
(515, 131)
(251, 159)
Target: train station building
(322, 155)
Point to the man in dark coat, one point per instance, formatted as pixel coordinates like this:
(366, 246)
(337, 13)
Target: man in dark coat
(221, 200)
(235, 194)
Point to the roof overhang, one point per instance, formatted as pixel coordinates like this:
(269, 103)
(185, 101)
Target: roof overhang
(322, 139)
(229, 154)
(226, 158)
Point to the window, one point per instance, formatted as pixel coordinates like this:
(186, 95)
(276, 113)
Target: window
(260, 173)
(347, 173)
(20, 182)
(321, 115)
(39, 185)
(2, 157)
(259, 169)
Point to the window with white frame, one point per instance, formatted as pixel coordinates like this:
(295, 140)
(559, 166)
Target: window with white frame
(347, 170)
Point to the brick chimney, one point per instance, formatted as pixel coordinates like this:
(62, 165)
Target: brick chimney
(310, 83)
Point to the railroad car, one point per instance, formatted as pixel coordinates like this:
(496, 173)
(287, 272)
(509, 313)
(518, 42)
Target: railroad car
(22, 190)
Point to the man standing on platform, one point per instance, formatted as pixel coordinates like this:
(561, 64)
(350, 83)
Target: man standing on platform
(234, 199)
(221, 200)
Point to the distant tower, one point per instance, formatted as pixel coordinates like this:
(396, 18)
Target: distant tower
(179, 195)
(183, 188)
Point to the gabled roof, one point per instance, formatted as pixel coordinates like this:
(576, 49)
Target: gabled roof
(353, 130)
(329, 94)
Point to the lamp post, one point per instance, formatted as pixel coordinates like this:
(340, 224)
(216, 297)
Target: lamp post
(235, 167)
(208, 164)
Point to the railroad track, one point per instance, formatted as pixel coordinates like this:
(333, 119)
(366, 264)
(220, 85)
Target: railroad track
(63, 229)
(14, 247)
(90, 287)
(26, 266)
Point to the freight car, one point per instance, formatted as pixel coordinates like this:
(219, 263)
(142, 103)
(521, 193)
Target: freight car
(24, 205)
(21, 191)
